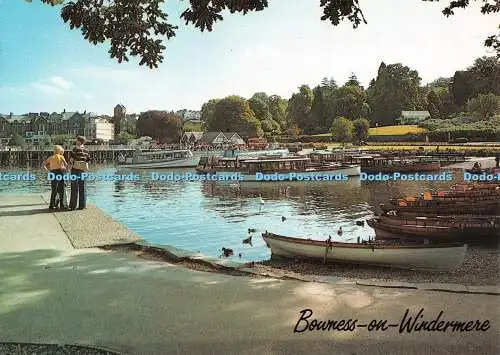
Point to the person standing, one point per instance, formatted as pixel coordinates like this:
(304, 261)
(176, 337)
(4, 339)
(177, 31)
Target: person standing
(79, 158)
(57, 165)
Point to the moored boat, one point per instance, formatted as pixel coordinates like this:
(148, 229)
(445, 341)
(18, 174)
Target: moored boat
(159, 159)
(440, 229)
(373, 164)
(284, 168)
(406, 256)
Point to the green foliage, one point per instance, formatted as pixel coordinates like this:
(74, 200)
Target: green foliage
(396, 88)
(207, 112)
(329, 101)
(277, 109)
(434, 104)
(329, 83)
(124, 136)
(299, 107)
(463, 125)
(361, 128)
(137, 28)
(350, 102)
(486, 75)
(62, 139)
(233, 114)
(164, 126)
(191, 127)
(485, 105)
(17, 141)
(45, 142)
(342, 130)
(260, 107)
(319, 114)
(353, 81)
(462, 88)
(271, 127)
(481, 78)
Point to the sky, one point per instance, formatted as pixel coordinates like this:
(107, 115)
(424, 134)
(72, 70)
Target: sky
(45, 67)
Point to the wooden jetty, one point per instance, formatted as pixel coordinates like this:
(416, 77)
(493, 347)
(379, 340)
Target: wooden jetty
(33, 157)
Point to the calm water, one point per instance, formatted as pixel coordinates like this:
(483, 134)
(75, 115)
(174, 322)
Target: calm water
(205, 217)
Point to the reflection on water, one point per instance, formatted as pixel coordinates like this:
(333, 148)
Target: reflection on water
(205, 216)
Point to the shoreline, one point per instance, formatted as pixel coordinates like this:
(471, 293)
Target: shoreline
(481, 267)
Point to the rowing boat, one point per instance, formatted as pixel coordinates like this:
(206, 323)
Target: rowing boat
(406, 256)
(441, 229)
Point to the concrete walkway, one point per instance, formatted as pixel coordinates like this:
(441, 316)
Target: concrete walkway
(25, 223)
(55, 294)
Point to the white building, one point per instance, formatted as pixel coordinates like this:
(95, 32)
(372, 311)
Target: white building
(102, 128)
(413, 117)
(189, 115)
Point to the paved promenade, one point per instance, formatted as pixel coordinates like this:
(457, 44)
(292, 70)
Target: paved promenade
(53, 293)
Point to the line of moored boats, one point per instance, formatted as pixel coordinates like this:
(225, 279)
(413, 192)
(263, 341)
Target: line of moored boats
(416, 232)
(422, 232)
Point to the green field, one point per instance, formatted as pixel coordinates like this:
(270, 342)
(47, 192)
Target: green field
(395, 130)
(387, 131)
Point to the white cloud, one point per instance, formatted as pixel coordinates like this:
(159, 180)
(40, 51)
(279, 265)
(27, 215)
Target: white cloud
(53, 85)
(61, 82)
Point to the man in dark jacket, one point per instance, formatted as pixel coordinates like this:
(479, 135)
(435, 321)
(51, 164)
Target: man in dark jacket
(79, 158)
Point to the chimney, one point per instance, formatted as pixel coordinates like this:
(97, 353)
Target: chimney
(64, 111)
(10, 115)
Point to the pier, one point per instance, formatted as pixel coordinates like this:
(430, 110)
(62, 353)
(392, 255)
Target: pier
(57, 287)
(27, 158)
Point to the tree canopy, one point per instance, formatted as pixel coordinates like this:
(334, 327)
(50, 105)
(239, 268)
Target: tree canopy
(137, 28)
(233, 114)
(395, 89)
(161, 125)
(472, 93)
(342, 130)
(485, 105)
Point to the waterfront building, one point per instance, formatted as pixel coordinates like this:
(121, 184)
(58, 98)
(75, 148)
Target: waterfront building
(213, 139)
(102, 128)
(36, 128)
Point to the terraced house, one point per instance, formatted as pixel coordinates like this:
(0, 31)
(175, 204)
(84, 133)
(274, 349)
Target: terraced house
(37, 127)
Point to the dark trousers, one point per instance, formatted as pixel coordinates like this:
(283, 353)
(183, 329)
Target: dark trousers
(77, 190)
(58, 191)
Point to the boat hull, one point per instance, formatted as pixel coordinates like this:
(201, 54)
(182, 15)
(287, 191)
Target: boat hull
(439, 258)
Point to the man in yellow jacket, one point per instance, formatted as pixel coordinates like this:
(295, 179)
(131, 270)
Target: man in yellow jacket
(57, 165)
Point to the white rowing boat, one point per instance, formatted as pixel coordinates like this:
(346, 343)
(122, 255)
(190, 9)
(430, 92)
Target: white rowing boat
(405, 256)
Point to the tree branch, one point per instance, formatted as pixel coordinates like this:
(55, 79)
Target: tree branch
(137, 27)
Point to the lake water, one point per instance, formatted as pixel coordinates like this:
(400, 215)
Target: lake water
(205, 217)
